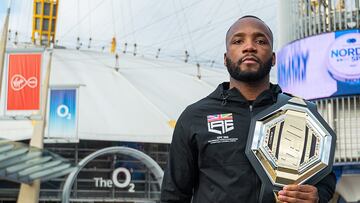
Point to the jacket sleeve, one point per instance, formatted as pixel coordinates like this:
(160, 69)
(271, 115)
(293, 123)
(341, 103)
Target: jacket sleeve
(326, 188)
(179, 178)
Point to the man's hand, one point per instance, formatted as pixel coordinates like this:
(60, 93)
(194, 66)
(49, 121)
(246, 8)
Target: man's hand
(299, 193)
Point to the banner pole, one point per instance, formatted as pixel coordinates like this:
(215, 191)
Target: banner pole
(30, 193)
(3, 41)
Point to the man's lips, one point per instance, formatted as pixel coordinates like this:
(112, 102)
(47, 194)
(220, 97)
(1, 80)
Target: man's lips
(249, 60)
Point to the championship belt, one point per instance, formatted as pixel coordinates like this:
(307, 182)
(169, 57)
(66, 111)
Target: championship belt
(289, 143)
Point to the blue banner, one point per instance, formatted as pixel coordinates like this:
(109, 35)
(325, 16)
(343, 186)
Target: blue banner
(62, 114)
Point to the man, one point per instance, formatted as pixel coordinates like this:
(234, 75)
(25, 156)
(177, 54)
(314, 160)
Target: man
(207, 162)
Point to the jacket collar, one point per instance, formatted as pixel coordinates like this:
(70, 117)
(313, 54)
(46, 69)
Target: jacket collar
(225, 94)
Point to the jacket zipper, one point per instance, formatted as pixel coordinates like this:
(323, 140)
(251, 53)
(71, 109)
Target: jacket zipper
(256, 186)
(251, 106)
(224, 98)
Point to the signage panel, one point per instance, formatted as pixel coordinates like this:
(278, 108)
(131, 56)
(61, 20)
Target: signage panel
(23, 82)
(63, 113)
(321, 66)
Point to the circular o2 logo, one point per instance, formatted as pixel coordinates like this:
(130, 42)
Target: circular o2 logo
(63, 111)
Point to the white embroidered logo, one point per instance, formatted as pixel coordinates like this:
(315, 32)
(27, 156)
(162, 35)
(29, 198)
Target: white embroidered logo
(220, 123)
(18, 82)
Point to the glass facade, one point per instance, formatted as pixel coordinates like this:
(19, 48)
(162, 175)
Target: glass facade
(95, 183)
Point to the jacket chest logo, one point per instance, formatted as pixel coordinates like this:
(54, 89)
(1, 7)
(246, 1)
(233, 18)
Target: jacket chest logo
(220, 123)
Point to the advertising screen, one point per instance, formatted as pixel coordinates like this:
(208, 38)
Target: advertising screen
(63, 113)
(321, 66)
(23, 78)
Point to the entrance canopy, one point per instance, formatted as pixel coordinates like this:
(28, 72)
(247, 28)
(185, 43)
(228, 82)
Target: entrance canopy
(23, 164)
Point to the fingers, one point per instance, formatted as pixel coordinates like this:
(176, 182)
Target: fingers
(294, 194)
(290, 199)
(298, 193)
(301, 188)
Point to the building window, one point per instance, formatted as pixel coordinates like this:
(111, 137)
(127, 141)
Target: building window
(45, 25)
(46, 9)
(54, 10)
(53, 25)
(37, 23)
(38, 8)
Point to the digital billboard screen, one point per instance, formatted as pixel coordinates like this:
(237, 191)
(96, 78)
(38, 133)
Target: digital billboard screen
(321, 66)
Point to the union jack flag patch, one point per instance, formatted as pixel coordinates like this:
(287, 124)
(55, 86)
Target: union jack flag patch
(220, 123)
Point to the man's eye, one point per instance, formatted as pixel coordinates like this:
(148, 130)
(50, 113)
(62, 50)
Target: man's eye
(238, 41)
(261, 42)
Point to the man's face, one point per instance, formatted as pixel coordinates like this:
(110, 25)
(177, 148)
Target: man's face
(249, 55)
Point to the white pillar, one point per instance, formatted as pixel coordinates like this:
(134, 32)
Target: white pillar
(284, 22)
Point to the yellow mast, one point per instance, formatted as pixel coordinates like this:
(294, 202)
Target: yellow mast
(44, 21)
(113, 45)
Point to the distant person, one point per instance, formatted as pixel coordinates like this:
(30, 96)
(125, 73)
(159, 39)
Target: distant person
(207, 162)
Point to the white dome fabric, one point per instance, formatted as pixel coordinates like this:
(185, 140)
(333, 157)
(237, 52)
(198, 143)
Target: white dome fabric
(138, 103)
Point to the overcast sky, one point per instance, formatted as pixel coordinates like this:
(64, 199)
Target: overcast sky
(198, 26)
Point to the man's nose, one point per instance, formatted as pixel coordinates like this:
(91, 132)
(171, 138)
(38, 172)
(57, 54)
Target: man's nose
(249, 47)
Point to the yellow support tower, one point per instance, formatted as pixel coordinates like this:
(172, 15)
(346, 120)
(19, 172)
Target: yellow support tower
(113, 45)
(44, 21)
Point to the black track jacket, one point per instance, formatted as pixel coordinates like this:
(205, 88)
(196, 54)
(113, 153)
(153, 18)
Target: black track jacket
(207, 161)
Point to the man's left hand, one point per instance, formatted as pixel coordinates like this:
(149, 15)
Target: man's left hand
(299, 193)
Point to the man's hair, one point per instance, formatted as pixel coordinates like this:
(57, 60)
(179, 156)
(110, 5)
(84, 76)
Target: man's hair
(251, 16)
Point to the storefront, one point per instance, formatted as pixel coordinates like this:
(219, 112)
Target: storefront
(108, 178)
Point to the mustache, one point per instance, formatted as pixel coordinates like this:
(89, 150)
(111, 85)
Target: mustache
(248, 55)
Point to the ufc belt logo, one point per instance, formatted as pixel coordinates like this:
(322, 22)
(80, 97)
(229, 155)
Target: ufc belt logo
(220, 123)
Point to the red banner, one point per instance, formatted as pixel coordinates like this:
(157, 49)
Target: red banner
(23, 87)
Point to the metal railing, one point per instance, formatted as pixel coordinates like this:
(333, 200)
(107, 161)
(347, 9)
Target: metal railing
(343, 115)
(312, 17)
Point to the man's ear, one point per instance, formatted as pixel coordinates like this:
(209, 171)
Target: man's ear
(273, 61)
(225, 59)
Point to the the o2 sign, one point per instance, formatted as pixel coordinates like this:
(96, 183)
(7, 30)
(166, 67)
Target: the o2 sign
(114, 181)
(63, 111)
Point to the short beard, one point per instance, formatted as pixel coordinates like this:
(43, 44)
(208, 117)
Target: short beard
(248, 76)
